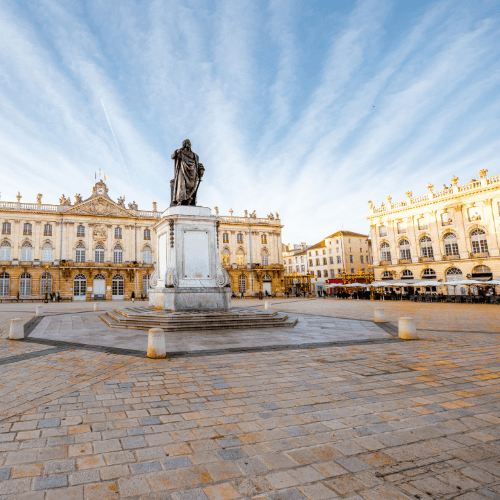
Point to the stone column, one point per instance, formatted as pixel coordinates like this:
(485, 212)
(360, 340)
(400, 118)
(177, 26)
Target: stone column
(462, 237)
(489, 223)
(108, 255)
(37, 240)
(434, 231)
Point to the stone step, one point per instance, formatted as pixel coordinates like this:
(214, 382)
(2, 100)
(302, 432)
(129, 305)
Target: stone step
(188, 317)
(113, 322)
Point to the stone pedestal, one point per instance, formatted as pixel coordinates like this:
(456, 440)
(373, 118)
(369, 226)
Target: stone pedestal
(189, 275)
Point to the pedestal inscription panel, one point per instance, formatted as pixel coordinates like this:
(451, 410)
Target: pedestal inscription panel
(196, 256)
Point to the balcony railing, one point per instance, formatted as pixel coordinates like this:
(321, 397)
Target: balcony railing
(451, 257)
(404, 261)
(426, 259)
(479, 255)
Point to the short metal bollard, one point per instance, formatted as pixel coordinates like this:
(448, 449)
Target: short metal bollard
(266, 304)
(16, 329)
(96, 307)
(407, 330)
(379, 316)
(39, 311)
(156, 343)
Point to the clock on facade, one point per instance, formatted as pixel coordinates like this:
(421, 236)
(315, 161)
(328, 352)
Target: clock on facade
(100, 190)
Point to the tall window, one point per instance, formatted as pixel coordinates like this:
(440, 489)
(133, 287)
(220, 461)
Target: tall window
(6, 228)
(362, 259)
(4, 284)
(331, 260)
(225, 257)
(265, 258)
(80, 285)
(426, 250)
(27, 252)
(401, 227)
(80, 253)
(239, 238)
(240, 257)
(5, 251)
(382, 231)
(27, 229)
(339, 260)
(387, 275)
(332, 273)
(325, 261)
(47, 230)
(310, 262)
(319, 273)
(147, 234)
(80, 231)
(478, 241)
(118, 285)
(242, 282)
(99, 254)
(450, 244)
(351, 259)
(118, 233)
(263, 238)
(46, 284)
(225, 237)
(118, 255)
(404, 249)
(147, 256)
(325, 273)
(422, 223)
(318, 262)
(25, 285)
(47, 252)
(145, 284)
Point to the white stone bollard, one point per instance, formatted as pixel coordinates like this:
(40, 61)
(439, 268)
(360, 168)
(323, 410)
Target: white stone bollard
(96, 307)
(379, 316)
(16, 329)
(156, 343)
(407, 330)
(39, 311)
(266, 304)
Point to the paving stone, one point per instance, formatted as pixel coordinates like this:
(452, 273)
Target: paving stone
(47, 482)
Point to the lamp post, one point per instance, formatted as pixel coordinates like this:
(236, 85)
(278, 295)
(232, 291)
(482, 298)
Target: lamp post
(46, 282)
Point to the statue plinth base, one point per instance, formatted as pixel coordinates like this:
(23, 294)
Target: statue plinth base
(191, 299)
(190, 276)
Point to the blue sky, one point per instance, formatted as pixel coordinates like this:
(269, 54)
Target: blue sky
(308, 108)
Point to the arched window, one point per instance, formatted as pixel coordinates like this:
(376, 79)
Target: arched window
(99, 254)
(450, 244)
(263, 239)
(47, 252)
(145, 284)
(147, 256)
(118, 233)
(453, 271)
(99, 286)
(118, 286)
(25, 285)
(225, 257)
(385, 252)
(482, 272)
(265, 257)
(80, 231)
(242, 281)
(80, 285)
(240, 257)
(387, 275)
(426, 250)
(406, 275)
(404, 249)
(4, 284)
(239, 238)
(27, 252)
(225, 237)
(46, 284)
(478, 241)
(27, 229)
(429, 274)
(5, 248)
(80, 253)
(147, 234)
(118, 255)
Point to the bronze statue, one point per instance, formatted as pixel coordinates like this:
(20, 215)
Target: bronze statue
(187, 176)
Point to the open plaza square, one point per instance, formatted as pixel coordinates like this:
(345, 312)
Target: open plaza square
(336, 407)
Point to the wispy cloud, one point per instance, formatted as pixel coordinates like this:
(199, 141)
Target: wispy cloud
(304, 108)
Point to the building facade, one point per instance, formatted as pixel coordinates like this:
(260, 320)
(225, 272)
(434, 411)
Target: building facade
(450, 234)
(338, 256)
(99, 249)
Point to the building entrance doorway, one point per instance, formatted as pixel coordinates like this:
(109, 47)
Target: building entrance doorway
(80, 287)
(99, 287)
(266, 284)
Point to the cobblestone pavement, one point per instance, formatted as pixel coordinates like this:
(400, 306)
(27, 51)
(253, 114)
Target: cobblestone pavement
(403, 420)
(428, 316)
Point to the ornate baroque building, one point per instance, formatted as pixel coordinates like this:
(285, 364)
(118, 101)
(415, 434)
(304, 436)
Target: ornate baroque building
(100, 249)
(448, 235)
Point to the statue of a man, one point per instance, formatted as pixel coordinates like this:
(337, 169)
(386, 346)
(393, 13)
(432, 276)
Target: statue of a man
(188, 174)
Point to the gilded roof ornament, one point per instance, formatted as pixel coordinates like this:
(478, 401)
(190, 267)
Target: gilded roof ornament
(454, 180)
(409, 194)
(430, 187)
(482, 173)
